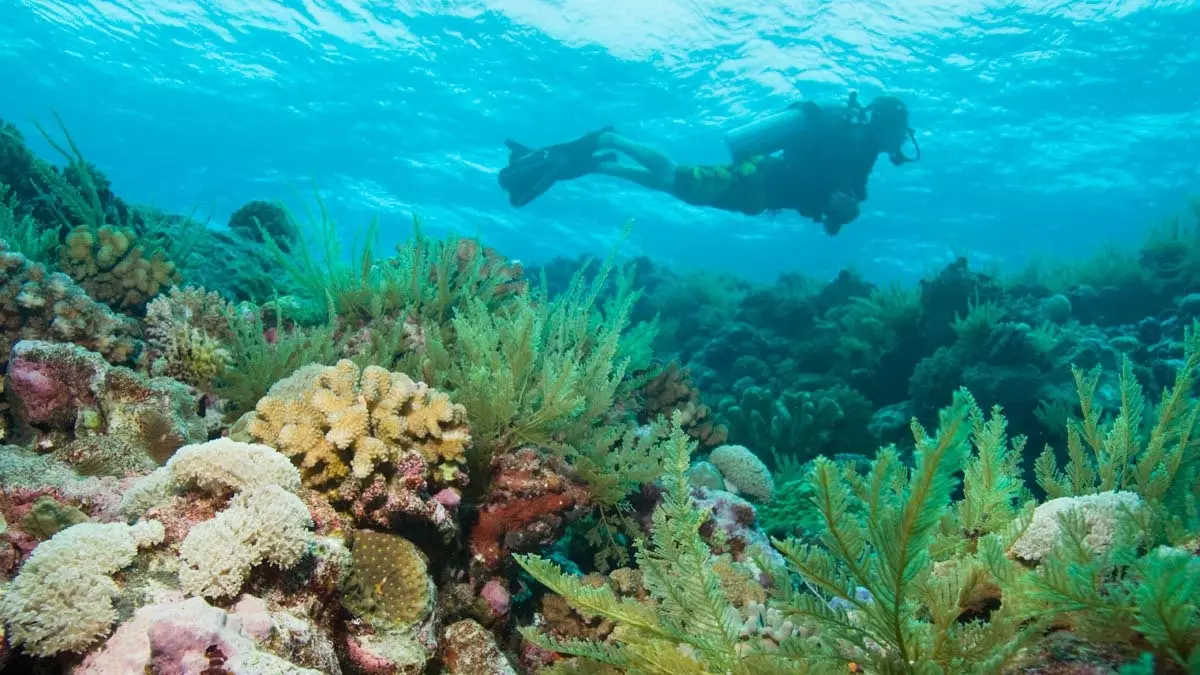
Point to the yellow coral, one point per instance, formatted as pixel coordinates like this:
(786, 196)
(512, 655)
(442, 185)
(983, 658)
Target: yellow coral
(112, 268)
(335, 421)
(387, 582)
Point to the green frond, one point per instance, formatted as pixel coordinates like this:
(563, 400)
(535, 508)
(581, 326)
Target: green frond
(25, 235)
(1168, 603)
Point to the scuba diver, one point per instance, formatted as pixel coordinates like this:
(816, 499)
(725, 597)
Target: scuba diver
(812, 158)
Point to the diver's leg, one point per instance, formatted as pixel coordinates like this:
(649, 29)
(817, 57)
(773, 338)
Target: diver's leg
(659, 171)
(634, 174)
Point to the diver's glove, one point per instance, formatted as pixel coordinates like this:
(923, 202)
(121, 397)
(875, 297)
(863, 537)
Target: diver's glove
(841, 209)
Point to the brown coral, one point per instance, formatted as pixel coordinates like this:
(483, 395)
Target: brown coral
(387, 582)
(114, 268)
(340, 421)
(672, 390)
(36, 305)
(186, 333)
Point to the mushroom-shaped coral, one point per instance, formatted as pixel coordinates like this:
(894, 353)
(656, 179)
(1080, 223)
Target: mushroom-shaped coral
(338, 421)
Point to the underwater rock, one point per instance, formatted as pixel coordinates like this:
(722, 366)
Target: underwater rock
(738, 520)
(101, 419)
(467, 648)
(192, 636)
(255, 217)
(531, 496)
(38, 305)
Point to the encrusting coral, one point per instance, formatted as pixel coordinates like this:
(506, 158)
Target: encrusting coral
(672, 389)
(339, 421)
(387, 581)
(99, 418)
(38, 305)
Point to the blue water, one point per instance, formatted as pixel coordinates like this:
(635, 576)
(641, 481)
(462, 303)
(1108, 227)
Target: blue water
(1047, 127)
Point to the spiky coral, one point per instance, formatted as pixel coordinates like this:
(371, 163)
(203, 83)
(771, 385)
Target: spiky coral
(341, 421)
(187, 331)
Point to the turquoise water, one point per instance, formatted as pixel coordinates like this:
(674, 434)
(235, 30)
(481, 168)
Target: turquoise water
(1047, 127)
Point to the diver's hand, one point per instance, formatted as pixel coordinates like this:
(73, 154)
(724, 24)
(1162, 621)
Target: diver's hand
(841, 209)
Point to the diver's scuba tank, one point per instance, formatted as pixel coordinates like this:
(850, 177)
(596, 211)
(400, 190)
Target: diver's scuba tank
(767, 135)
(776, 132)
(779, 131)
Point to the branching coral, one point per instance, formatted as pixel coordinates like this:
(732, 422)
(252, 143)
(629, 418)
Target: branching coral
(339, 421)
(187, 331)
(38, 305)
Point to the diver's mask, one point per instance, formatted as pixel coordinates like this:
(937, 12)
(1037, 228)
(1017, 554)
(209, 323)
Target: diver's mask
(887, 117)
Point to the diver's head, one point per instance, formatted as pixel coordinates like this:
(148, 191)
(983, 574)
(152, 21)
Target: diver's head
(887, 123)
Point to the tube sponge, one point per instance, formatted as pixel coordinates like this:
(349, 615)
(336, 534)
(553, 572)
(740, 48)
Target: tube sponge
(262, 524)
(744, 471)
(63, 598)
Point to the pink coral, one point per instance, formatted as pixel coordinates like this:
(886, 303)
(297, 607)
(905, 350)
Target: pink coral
(497, 596)
(366, 661)
(52, 391)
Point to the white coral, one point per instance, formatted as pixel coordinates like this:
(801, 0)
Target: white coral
(223, 465)
(262, 524)
(1100, 511)
(744, 472)
(218, 466)
(62, 599)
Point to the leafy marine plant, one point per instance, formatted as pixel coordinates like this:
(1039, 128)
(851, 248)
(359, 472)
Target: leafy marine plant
(689, 625)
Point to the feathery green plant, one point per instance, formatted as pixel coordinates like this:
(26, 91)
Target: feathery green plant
(879, 531)
(25, 236)
(689, 626)
(256, 363)
(1159, 460)
(540, 372)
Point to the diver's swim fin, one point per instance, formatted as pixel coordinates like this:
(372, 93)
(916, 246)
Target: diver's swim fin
(530, 172)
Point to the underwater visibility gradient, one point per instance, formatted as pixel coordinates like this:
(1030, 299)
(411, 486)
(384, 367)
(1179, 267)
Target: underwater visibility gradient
(1047, 127)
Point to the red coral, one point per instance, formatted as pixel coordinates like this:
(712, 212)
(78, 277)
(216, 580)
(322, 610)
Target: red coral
(526, 505)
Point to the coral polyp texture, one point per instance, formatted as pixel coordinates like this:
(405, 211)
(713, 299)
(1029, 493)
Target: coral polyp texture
(114, 268)
(341, 421)
(188, 333)
(37, 304)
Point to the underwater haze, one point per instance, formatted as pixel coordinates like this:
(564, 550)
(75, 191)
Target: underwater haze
(1047, 127)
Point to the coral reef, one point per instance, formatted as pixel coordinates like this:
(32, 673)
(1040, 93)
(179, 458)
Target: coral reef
(671, 390)
(36, 304)
(187, 331)
(112, 267)
(97, 417)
